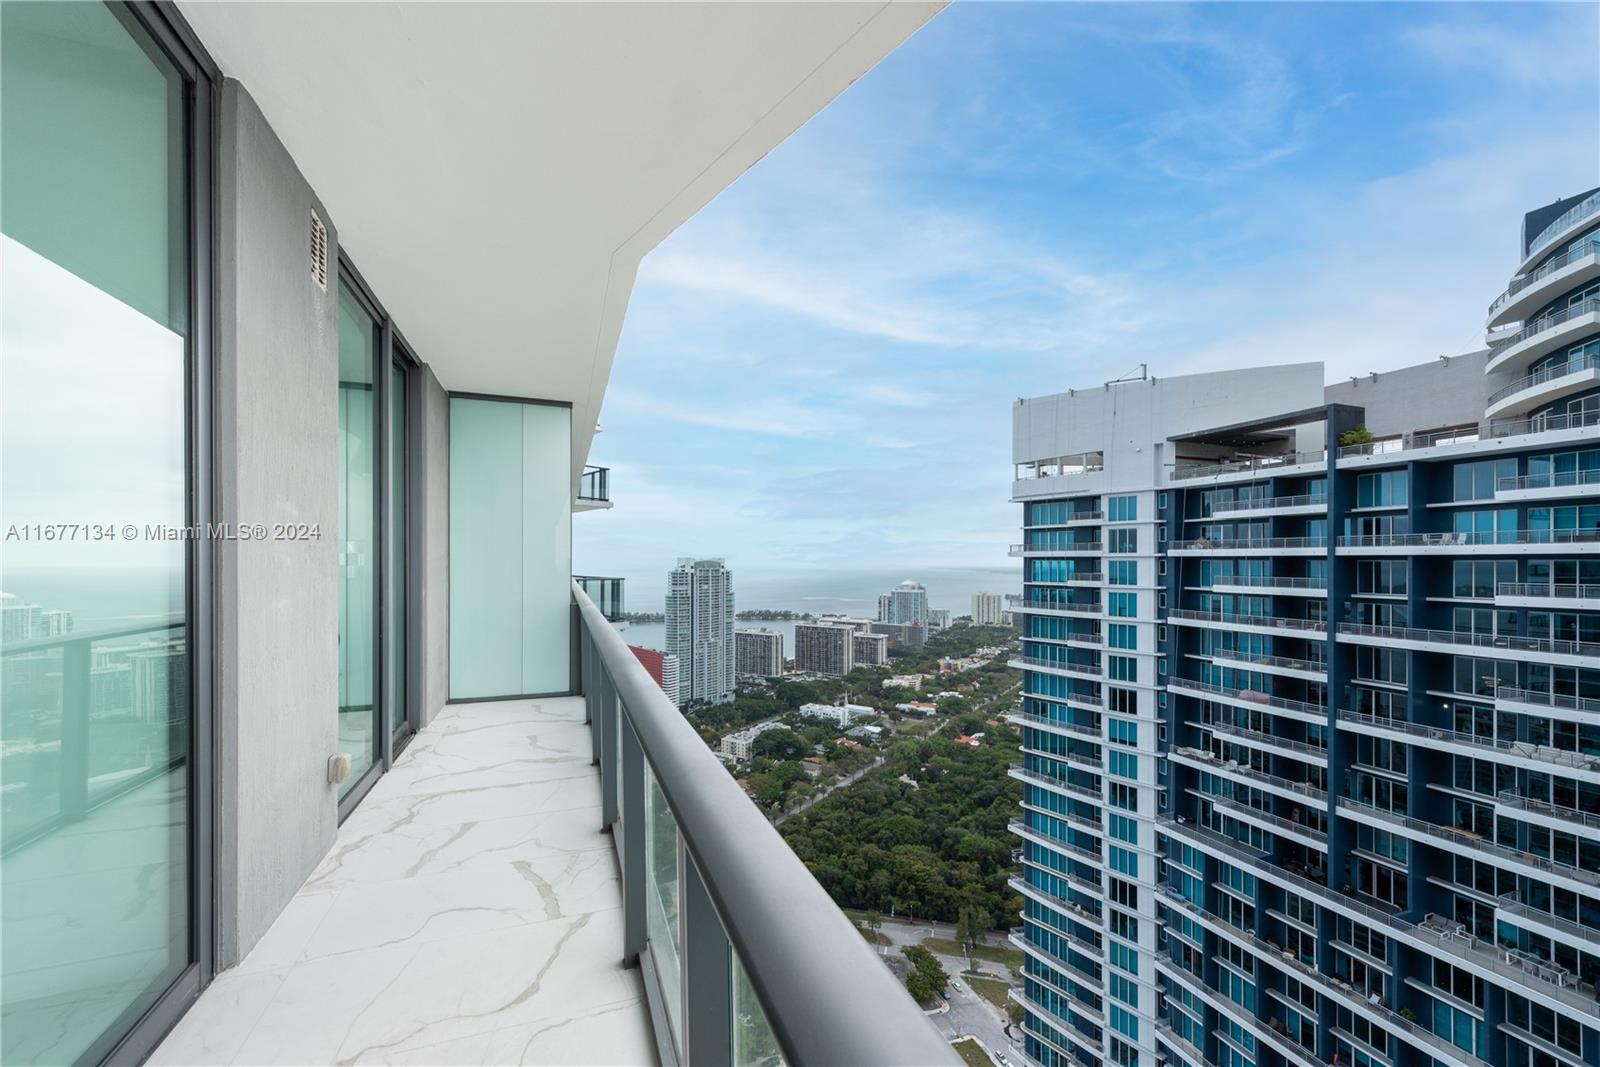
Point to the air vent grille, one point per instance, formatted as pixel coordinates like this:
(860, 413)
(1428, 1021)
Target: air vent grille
(319, 252)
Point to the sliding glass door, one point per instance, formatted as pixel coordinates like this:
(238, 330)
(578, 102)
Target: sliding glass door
(397, 630)
(103, 655)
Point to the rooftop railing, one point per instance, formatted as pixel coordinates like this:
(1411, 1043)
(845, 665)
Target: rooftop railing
(1185, 471)
(1589, 205)
(742, 952)
(1588, 247)
(1546, 645)
(1577, 365)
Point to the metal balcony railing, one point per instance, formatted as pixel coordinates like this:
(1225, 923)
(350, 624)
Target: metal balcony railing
(1228, 618)
(1488, 537)
(1314, 666)
(1567, 701)
(1491, 430)
(595, 484)
(607, 594)
(1268, 581)
(1556, 370)
(1560, 756)
(1548, 590)
(1546, 645)
(1589, 205)
(1510, 798)
(1028, 603)
(1056, 665)
(1252, 463)
(1248, 697)
(737, 943)
(1510, 858)
(1587, 247)
(1553, 480)
(1055, 547)
(1204, 543)
(1272, 502)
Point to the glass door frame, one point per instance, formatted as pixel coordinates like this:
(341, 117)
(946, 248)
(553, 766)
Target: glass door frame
(393, 351)
(161, 31)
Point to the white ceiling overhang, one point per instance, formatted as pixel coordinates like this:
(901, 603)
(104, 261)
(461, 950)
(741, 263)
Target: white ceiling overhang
(497, 171)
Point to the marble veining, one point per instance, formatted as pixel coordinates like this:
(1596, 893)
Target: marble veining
(468, 913)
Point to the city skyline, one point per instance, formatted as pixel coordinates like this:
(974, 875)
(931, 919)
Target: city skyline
(994, 203)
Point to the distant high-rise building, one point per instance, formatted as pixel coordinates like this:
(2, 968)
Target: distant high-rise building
(160, 681)
(869, 650)
(55, 622)
(906, 603)
(758, 653)
(938, 619)
(662, 666)
(700, 630)
(987, 609)
(22, 620)
(824, 648)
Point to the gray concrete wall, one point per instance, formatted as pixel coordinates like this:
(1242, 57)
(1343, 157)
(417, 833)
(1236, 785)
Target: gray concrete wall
(277, 631)
(1428, 396)
(434, 504)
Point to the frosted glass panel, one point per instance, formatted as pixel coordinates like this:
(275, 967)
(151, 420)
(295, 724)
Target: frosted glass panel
(510, 548)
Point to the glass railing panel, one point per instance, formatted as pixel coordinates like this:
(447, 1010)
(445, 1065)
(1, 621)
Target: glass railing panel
(754, 1044)
(663, 902)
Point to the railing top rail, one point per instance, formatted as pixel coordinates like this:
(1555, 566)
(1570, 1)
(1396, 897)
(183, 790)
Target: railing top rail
(1254, 463)
(1494, 429)
(1253, 542)
(825, 994)
(1262, 503)
(41, 644)
(1549, 645)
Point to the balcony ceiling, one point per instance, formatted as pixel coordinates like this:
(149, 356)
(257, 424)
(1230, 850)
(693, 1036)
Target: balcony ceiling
(497, 171)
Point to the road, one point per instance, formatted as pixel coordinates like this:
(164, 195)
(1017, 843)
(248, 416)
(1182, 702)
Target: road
(969, 1012)
(850, 779)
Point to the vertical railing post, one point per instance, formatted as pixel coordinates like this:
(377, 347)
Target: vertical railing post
(707, 976)
(634, 829)
(611, 714)
(74, 759)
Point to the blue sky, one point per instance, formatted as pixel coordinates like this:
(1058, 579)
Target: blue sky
(816, 372)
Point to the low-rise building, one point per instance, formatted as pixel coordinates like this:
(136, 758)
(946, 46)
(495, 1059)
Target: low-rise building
(917, 707)
(841, 714)
(903, 681)
(909, 636)
(740, 745)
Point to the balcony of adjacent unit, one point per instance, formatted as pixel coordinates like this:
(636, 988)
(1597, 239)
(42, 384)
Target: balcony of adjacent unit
(1266, 585)
(1271, 745)
(1073, 604)
(1557, 378)
(1476, 542)
(1554, 651)
(1462, 841)
(1083, 726)
(1559, 596)
(594, 490)
(1242, 467)
(1252, 700)
(1542, 759)
(1306, 670)
(1543, 704)
(1276, 547)
(1066, 666)
(1268, 506)
(1561, 228)
(1268, 625)
(607, 594)
(1074, 785)
(1057, 546)
(1561, 273)
(1297, 793)
(1539, 922)
(1545, 485)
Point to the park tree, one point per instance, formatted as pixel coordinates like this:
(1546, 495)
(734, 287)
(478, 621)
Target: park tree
(971, 924)
(927, 978)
